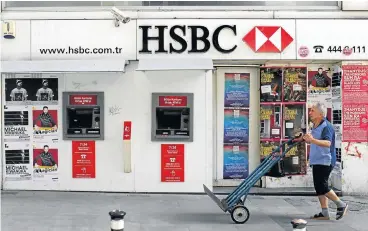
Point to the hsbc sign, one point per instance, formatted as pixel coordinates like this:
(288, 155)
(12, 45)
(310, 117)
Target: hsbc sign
(235, 40)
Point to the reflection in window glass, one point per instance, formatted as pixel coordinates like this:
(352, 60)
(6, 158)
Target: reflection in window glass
(167, 3)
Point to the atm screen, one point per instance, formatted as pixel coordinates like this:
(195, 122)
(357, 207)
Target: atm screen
(168, 118)
(80, 118)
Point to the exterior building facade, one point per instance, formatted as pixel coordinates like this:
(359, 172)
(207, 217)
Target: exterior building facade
(168, 98)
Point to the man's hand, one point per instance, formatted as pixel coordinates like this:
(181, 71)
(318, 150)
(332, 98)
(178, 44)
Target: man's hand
(308, 138)
(36, 128)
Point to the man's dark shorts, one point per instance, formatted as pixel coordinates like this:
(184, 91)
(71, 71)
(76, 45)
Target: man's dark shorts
(321, 173)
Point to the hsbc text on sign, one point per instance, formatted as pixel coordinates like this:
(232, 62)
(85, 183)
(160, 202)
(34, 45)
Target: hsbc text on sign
(217, 39)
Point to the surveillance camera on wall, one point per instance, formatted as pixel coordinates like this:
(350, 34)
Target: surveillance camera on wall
(119, 16)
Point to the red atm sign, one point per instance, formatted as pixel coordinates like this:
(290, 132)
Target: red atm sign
(173, 101)
(83, 100)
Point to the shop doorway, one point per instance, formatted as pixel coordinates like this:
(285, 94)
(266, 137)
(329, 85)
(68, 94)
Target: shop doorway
(236, 103)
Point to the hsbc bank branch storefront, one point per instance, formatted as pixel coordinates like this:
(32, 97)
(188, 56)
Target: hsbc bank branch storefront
(203, 101)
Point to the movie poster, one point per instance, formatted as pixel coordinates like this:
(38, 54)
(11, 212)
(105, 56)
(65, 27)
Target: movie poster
(236, 162)
(17, 124)
(237, 90)
(236, 126)
(294, 119)
(271, 84)
(45, 123)
(270, 117)
(45, 161)
(17, 161)
(31, 89)
(267, 148)
(295, 84)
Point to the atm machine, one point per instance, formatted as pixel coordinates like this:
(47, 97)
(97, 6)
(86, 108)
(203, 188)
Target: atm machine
(83, 115)
(172, 117)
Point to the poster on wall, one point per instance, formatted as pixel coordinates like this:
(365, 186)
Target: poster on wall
(355, 103)
(295, 84)
(267, 147)
(294, 119)
(31, 89)
(45, 162)
(236, 162)
(172, 163)
(83, 159)
(319, 83)
(236, 126)
(271, 84)
(18, 166)
(17, 124)
(295, 160)
(270, 117)
(45, 123)
(237, 90)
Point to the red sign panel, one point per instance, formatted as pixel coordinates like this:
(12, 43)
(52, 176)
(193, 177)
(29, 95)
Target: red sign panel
(172, 162)
(355, 103)
(83, 100)
(127, 134)
(84, 159)
(172, 101)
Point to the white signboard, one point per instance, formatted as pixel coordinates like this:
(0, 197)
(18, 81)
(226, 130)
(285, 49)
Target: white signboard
(332, 39)
(217, 39)
(83, 39)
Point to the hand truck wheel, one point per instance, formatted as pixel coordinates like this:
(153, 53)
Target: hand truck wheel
(240, 214)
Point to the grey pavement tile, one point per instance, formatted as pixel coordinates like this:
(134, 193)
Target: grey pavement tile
(162, 228)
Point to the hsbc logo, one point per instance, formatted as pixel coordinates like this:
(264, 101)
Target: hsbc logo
(268, 39)
(261, 39)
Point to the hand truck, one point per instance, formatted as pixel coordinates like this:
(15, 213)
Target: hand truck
(233, 203)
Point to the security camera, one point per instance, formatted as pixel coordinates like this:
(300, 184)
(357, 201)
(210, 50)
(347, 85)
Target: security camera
(118, 15)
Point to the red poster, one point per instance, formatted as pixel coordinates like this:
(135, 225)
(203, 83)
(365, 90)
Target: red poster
(83, 100)
(172, 162)
(127, 130)
(355, 122)
(84, 159)
(355, 103)
(172, 101)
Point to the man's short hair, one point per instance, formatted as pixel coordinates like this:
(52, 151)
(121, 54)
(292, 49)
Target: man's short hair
(45, 107)
(320, 68)
(321, 108)
(45, 146)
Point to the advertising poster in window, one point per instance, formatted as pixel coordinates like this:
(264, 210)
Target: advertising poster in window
(17, 124)
(271, 84)
(236, 126)
(45, 162)
(295, 84)
(270, 117)
(45, 123)
(294, 119)
(319, 83)
(355, 103)
(18, 166)
(84, 159)
(31, 89)
(267, 147)
(295, 160)
(236, 162)
(237, 90)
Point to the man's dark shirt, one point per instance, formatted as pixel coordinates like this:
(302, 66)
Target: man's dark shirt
(46, 159)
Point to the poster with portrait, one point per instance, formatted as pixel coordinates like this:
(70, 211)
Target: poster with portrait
(18, 165)
(295, 84)
(236, 162)
(237, 90)
(31, 89)
(236, 126)
(271, 84)
(45, 161)
(319, 83)
(294, 119)
(17, 124)
(45, 123)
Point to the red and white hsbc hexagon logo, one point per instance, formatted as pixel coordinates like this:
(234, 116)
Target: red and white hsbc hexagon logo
(268, 39)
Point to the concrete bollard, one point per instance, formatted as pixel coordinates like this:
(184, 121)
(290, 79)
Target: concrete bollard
(299, 225)
(117, 220)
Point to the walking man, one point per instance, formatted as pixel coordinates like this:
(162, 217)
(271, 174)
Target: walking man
(322, 159)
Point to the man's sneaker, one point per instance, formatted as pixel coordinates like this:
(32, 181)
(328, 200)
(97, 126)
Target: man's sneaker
(341, 212)
(320, 217)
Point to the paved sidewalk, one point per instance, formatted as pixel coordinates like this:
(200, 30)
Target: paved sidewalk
(89, 211)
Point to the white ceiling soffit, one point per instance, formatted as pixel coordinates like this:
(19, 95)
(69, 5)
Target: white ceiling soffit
(64, 66)
(159, 64)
